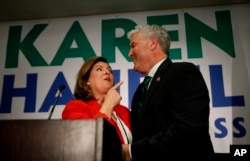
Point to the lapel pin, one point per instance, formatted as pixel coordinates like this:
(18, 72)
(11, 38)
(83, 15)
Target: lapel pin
(158, 79)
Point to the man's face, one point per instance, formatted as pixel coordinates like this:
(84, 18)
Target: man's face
(140, 53)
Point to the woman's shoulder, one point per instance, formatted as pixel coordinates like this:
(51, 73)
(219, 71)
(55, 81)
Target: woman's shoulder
(75, 101)
(80, 102)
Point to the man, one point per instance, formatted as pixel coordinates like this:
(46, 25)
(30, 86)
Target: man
(173, 122)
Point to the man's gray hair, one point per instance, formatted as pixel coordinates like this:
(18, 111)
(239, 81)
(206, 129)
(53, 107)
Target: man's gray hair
(151, 31)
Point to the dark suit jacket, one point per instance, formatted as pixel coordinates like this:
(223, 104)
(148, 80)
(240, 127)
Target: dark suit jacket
(174, 122)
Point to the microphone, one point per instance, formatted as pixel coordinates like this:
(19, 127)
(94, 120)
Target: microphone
(60, 89)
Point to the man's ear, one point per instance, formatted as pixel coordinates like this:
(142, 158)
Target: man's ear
(154, 43)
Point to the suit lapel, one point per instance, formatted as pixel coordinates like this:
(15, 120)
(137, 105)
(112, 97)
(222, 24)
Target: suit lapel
(158, 77)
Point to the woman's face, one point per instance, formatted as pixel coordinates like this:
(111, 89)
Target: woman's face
(101, 79)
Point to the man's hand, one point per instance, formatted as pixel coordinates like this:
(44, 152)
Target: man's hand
(125, 149)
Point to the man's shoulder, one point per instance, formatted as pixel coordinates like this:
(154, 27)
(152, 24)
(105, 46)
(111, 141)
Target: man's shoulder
(183, 64)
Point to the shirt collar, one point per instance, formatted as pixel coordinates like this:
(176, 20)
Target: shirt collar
(154, 69)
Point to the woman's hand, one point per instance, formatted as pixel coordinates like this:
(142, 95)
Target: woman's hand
(111, 99)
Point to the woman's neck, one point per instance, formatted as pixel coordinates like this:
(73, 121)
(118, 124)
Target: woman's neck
(100, 99)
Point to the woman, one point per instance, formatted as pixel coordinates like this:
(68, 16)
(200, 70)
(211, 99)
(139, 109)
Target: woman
(96, 96)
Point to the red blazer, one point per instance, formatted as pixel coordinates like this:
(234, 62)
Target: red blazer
(78, 109)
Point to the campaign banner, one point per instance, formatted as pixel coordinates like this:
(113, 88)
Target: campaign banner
(39, 56)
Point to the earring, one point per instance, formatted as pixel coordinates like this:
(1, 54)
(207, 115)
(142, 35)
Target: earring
(88, 83)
